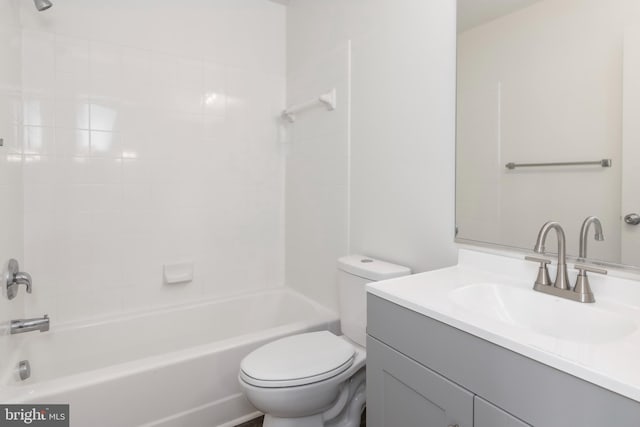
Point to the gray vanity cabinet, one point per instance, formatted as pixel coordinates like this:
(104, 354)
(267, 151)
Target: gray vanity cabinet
(487, 415)
(409, 395)
(422, 372)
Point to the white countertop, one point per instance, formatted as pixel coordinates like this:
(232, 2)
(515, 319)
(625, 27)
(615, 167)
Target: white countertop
(614, 365)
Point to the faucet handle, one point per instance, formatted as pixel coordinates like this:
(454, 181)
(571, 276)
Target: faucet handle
(14, 278)
(582, 287)
(590, 269)
(24, 278)
(541, 260)
(543, 278)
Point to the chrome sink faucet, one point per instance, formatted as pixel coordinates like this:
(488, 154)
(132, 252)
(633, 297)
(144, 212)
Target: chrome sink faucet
(582, 287)
(581, 292)
(562, 278)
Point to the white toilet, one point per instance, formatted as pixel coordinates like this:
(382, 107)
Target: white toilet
(317, 379)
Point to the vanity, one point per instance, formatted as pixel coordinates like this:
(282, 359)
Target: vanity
(548, 96)
(475, 345)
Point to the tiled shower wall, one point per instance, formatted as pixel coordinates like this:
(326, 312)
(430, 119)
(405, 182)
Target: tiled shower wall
(11, 237)
(151, 137)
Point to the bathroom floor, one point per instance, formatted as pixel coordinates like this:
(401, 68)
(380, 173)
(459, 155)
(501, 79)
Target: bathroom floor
(258, 421)
(253, 423)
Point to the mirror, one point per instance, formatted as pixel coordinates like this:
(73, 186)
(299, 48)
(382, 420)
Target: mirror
(549, 81)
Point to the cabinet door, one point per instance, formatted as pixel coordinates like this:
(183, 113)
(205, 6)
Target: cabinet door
(487, 415)
(403, 393)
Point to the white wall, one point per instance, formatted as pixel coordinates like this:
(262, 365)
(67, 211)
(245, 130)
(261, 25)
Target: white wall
(377, 175)
(151, 138)
(317, 171)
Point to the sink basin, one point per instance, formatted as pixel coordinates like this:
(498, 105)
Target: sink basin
(543, 314)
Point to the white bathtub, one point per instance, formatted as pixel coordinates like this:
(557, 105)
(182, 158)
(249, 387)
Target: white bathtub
(169, 367)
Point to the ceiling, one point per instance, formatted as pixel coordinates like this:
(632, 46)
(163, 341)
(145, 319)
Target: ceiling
(472, 13)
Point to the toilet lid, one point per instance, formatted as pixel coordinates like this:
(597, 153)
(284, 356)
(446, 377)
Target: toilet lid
(297, 360)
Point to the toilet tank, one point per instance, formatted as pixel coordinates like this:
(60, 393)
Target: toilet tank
(354, 272)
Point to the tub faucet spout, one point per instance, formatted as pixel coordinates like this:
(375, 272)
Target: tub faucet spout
(21, 326)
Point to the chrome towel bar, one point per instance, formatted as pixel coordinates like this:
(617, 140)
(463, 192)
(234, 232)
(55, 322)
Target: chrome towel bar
(605, 163)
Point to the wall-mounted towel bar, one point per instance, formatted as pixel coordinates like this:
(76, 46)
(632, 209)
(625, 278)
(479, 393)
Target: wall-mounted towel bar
(605, 163)
(327, 99)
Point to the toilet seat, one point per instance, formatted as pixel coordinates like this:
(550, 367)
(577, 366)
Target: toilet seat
(297, 360)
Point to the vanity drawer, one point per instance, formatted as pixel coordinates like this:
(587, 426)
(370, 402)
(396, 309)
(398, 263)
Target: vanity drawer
(487, 415)
(401, 392)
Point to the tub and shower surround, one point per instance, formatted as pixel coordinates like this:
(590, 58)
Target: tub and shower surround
(145, 147)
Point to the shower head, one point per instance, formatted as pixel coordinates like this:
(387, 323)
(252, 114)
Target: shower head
(42, 4)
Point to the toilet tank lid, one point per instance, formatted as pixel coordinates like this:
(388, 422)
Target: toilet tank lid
(370, 268)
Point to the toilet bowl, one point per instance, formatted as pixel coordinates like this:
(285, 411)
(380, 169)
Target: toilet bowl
(312, 394)
(317, 379)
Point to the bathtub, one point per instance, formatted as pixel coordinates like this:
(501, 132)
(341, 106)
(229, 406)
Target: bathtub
(173, 367)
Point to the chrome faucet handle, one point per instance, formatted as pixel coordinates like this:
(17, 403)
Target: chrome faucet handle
(23, 278)
(590, 269)
(14, 278)
(541, 260)
(582, 287)
(543, 278)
